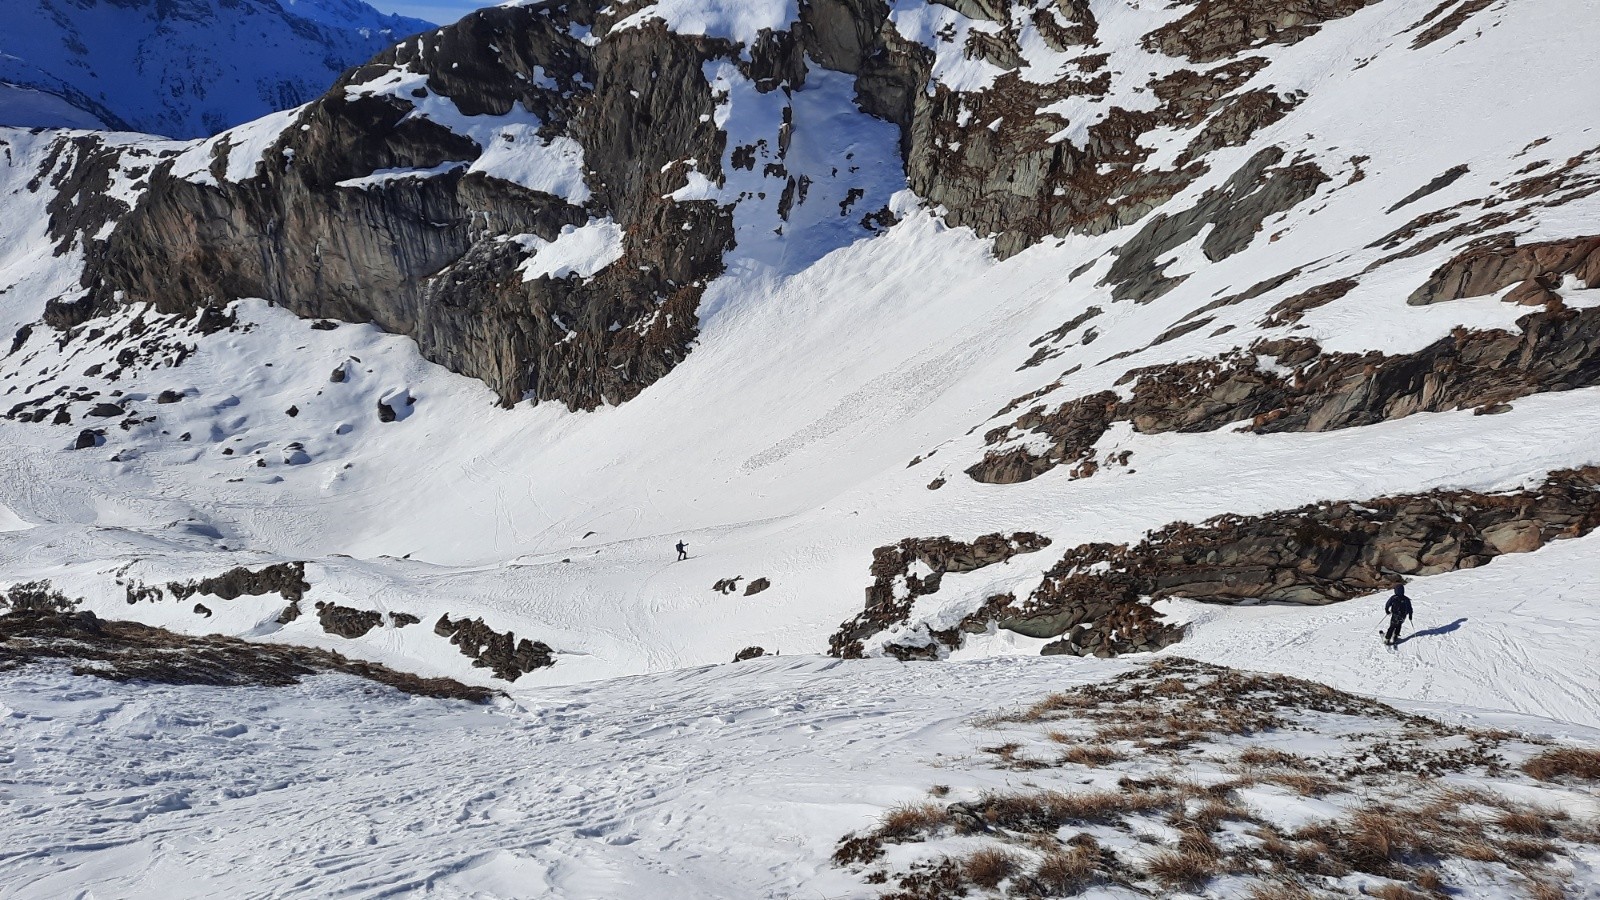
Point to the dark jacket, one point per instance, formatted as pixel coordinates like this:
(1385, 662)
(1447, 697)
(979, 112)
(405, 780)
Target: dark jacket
(1399, 606)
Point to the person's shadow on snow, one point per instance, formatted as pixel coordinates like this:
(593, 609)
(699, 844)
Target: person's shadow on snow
(1432, 632)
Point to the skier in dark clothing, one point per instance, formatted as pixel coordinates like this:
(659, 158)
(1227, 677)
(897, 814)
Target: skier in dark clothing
(683, 551)
(1399, 610)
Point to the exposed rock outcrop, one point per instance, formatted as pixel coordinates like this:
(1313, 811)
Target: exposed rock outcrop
(1234, 212)
(429, 255)
(1316, 554)
(1436, 26)
(372, 207)
(914, 568)
(1498, 262)
(1556, 350)
(128, 651)
(1096, 598)
(503, 654)
(287, 580)
(346, 621)
(36, 597)
(1216, 29)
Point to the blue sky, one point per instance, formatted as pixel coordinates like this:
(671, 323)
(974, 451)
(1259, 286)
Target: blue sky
(441, 11)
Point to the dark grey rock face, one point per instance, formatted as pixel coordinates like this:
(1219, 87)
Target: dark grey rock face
(346, 621)
(128, 651)
(1261, 188)
(424, 256)
(1556, 349)
(501, 653)
(429, 257)
(1097, 598)
(895, 587)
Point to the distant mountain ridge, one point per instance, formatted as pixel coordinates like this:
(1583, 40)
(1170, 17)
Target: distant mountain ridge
(181, 68)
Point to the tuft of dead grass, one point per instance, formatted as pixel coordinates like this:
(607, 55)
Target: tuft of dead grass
(1182, 868)
(1067, 870)
(1265, 756)
(1303, 783)
(910, 819)
(1526, 821)
(1281, 890)
(1429, 880)
(1394, 891)
(1565, 762)
(989, 866)
(1544, 890)
(1091, 755)
(1171, 687)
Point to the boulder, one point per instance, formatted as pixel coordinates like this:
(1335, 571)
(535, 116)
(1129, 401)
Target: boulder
(1514, 537)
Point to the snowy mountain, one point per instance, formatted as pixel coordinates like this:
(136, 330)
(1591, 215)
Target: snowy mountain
(996, 337)
(184, 68)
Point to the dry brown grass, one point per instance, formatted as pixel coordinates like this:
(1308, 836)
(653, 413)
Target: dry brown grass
(1196, 841)
(1263, 756)
(989, 866)
(1170, 687)
(1378, 835)
(1068, 869)
(1210, 815)
(1527, 848)
(1091, 755)
(1279, 891)
(1396, 892)
(1445, 800)
(1565, 762)
(1182, 868)
(1401, 838)
(1532, 822)
(1047, 810)
(1049, 708)
(910, 819)
(1478, 850)
(1303, 783)
(940, 790)
(1544, 890)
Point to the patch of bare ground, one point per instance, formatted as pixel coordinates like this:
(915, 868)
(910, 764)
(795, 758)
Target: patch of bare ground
(1183, 777)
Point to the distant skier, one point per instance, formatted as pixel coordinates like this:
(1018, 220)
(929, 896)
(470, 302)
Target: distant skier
(683, 551)
(1399, 610)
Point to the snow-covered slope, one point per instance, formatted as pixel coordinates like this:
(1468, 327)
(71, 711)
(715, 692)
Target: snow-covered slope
(961, 333)
(838, 391)
(730, 782)
(187, 69)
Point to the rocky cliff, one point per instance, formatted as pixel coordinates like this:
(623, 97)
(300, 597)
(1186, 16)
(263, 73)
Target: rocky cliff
(411, 193)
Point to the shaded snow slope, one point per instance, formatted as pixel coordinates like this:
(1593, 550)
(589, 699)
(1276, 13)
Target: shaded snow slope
(184, 69)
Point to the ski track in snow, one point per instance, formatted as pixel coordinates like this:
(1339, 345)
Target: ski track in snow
(703, 782)
(732, 781)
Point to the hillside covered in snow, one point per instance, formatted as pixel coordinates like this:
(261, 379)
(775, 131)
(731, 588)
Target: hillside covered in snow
(1020, 342)
(181, 68)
